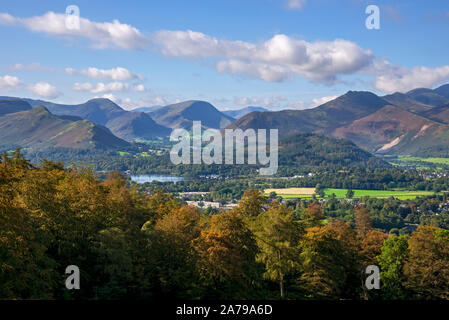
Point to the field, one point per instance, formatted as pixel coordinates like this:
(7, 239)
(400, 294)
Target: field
(419, 162)
(288, 193)
(292, 191)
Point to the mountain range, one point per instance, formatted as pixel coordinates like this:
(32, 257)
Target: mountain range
(124, 124)
(413, 123)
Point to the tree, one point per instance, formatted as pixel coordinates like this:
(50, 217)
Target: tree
(172, 256)
(226, 260)
(362, 221)
(349, 194)
(323, 271)
(278, 238)
(252, 203)
(427, 267)
(371, 246)
(313, 215)
(159, 204)
(391, 262)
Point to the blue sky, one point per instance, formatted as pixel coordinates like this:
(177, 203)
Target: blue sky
(278, 54)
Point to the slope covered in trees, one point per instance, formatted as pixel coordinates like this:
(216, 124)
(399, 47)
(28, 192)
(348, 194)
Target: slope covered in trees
(130, 245)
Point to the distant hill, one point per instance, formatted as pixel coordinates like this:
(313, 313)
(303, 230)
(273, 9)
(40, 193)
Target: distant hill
(428, 96)
(182, 115)
(340, 111)
(236, 114)
(124, 124)
(13, 105)
(443, 91)
(308, 149)
(416, 122)
(38, 129)
(406, 102)
(391, 130)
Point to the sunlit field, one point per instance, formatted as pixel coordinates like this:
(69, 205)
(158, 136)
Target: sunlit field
(293, 193)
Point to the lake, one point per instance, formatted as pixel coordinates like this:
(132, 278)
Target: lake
(154, 177)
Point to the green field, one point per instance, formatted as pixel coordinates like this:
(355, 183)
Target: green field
(341, 194)
(444, 161)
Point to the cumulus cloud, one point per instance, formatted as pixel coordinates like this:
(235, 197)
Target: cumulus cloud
(277, 59)
(296, 4)
(44, 90)
(274, 60)
(101, 87)
(390, 78)
(8, 82)
(101, 34)
(117, 73)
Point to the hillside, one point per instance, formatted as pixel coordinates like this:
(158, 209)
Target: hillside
(38, 129)
(182, 115)
(415, 122)
(124, 124)
(236, 114)
(309, 149)
(12, 106)
(407, 103)
(428, 96)
(390, 130)
(340, 111)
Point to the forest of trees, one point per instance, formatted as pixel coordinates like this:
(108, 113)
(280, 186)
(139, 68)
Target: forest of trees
(131, 245)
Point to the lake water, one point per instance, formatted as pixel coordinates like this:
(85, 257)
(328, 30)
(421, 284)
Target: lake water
(154, 177)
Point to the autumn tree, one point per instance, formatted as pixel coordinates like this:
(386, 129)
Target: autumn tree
(172, 256)
(427, 267)
(329, 262)
(252, 203)
(371, 246)
(362, 221)
(226, 254)
(312, 215)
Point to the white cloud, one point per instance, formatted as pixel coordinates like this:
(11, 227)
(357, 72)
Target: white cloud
(264, 71)
(280, 58)
(130, 104)
(390, 78)
(271, 102)
(117, 73)
(101, 34)
(44, 90)
(101, 87)
(274, 60)
(276, 103)
(296, 4)
(8, 82)
(319, 101)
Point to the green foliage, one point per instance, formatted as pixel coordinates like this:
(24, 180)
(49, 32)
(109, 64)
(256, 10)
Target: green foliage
(391, 263)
